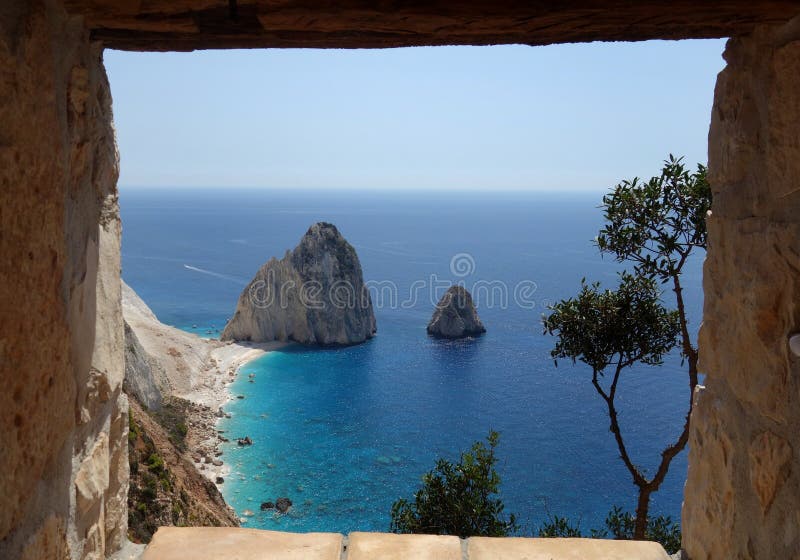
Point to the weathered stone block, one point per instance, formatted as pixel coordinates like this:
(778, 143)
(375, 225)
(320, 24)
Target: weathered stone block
(388, 546)
(60, 350)
(487, 548)
(743, 486)
(213, 543)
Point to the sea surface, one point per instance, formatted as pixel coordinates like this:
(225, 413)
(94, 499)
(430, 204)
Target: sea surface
(345, 432)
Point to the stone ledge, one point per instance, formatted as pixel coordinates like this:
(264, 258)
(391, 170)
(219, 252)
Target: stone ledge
(229, 543)
(189, 24)
(515, 548)
(388, 546)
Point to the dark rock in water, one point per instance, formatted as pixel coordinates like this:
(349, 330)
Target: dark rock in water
(267, 505)
(455, 316)
(220, 480)
(244, 441)
(313, 295)
(239, 396)
(283, 504)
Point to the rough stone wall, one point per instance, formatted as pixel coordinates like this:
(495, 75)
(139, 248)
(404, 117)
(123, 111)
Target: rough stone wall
(63, 418)
(742, 497)
(212, 24)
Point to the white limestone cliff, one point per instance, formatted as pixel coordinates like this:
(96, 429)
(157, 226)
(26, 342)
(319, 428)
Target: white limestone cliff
(313, 295)
(455, 316)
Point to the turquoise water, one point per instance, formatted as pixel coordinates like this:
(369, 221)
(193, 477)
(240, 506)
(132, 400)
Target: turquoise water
(345, 432)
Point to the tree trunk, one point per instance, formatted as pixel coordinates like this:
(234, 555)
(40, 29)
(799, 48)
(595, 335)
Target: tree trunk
(641, 513)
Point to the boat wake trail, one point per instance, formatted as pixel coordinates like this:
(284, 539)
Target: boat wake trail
(216, 274)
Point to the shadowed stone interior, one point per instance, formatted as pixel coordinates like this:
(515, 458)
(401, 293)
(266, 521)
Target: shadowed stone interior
(204, 24)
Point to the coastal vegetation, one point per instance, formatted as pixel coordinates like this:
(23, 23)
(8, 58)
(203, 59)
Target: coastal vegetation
(463, 499)
(655, 226)
(460, 498)
(619, 525)
(165, 488)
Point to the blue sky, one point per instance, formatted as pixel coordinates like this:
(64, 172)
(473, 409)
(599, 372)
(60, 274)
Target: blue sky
(562, 117)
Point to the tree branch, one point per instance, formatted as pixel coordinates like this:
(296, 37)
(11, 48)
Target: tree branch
(668, 454)
(638, 478)
(671, 451)
(689, 351)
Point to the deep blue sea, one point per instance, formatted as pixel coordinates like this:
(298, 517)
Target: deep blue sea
(345, 432)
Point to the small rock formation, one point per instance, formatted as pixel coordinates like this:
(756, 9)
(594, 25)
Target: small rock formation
(267, 505)
(244, 441)
(314, 295)
(455, 316)
(283, 504)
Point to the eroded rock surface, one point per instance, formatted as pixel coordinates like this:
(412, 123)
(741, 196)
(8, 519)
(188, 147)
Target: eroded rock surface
(313, 295)
(743, 487)
(455, 316)
(189, 24)
(166, 489)
(62, 410)
(140, 380)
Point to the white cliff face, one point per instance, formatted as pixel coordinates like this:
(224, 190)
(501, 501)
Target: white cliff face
(140, 379)
(455, 315)
(313, 295)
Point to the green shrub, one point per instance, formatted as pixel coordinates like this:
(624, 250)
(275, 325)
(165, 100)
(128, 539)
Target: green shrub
(177, 510)
(559, 527)
(133, 429)
(150, 488)
(620, 525)
(155, 463)
(660, 529)
(458, 498)
(173, 417)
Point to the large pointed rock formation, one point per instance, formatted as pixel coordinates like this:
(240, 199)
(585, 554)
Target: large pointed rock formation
(313, 295)
(455, 315)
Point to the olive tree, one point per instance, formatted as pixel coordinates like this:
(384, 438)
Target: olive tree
(655, 226)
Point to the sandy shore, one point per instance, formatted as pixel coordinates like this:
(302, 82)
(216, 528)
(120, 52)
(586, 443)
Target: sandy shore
(196, 369)
(210, 393)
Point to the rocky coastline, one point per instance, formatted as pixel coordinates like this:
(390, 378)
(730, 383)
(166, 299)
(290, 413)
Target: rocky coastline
(185, 373)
